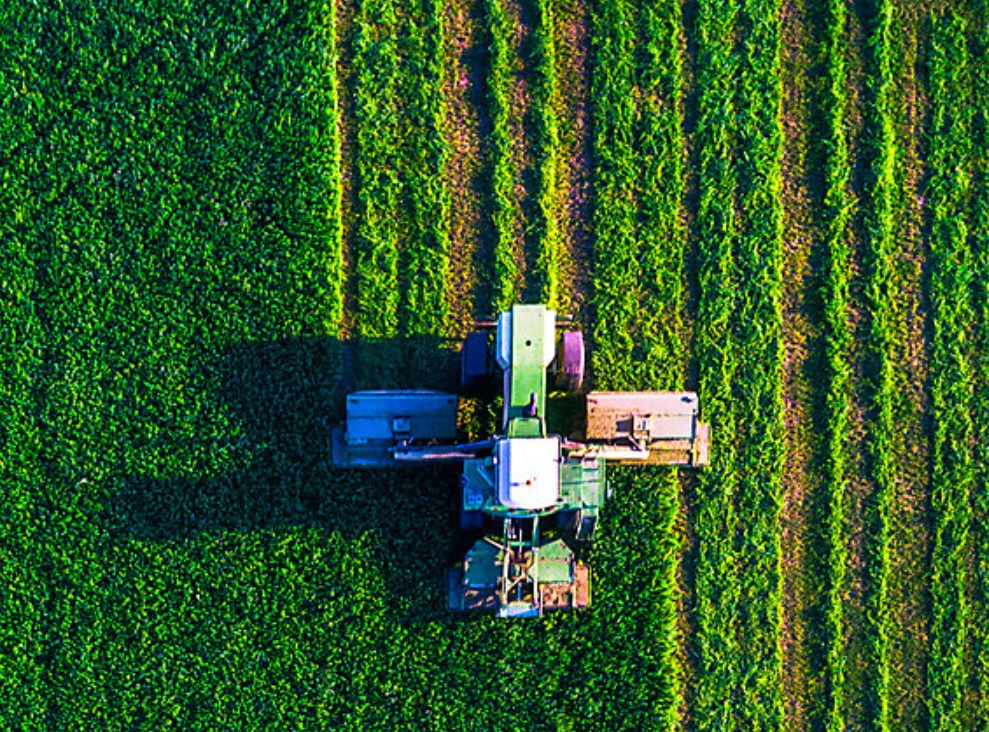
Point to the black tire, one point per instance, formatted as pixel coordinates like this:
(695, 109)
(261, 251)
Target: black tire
(570, 362)
(476, 367)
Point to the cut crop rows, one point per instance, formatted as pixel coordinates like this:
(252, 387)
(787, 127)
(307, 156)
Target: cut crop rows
(951, 371)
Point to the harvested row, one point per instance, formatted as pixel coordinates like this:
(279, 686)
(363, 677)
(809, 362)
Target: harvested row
(546, 227)
(758, 397)
(881, 240)
(951, 371)
(716, 591)
(504, 204)
(838, 345)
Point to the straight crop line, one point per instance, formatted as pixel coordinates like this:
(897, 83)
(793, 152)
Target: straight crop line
(838, 343)
(615, 256)
(881, 236)
(504, 174)
(662, 244)
(716, 592)
(426, 260)
(758, 395)
(951, 369)
(662, 233)
(547, 141)
(378, 182)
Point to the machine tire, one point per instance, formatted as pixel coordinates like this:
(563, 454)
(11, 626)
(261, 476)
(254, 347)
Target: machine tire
(476, 369)
(471, 521)
(570, 361)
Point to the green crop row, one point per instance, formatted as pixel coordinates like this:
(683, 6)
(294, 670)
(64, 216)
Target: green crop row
(545, 96)
(951, 369)
(504, 204)
(717, 595)
(881, 241)
(638, 298)
(662, 243)
(758, 384)
(616, 265)
(426, 249)
(837, 346)
(662, 233)
(378, 138)
(980, 244)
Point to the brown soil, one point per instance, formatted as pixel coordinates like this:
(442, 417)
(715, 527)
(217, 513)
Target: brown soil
(860, 487)
(801, 334)
(910, 510)
(468, 124)
(573, 52)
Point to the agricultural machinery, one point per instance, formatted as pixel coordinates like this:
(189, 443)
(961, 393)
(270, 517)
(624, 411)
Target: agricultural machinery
(530, 498)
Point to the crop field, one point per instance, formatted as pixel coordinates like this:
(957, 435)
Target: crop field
(217, 218)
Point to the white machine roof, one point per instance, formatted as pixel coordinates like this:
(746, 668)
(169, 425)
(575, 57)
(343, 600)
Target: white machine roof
(528, 472)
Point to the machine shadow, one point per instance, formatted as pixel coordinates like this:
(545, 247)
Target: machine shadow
(286, 396)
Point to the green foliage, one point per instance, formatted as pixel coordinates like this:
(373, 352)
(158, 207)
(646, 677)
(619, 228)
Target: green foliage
(716, 586)
(545, 228)
(426, 250)
(838, 345)
(378, 138)
(979, 672)
(951, 369)
(504, 174)
(880, 246)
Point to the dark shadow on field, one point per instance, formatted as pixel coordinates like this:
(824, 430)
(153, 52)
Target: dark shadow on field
(287, 396)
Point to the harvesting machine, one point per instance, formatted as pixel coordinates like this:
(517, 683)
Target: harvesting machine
(528, 497)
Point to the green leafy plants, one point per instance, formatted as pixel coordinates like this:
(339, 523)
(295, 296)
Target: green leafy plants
(951, 370)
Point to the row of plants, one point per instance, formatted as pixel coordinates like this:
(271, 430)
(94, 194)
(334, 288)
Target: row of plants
(426, 247)
(504, 173)
(758, 382)
(545, 230)
(719, 662)
(881, 232)
(638, 344)
(615, 256)
(952, 373)
(837, 355)
(662, 240)
(378, 138)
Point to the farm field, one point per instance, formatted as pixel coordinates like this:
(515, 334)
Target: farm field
(218, 218)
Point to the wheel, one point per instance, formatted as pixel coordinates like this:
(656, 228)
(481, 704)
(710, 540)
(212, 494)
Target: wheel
(475, 364)
(570, 361)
